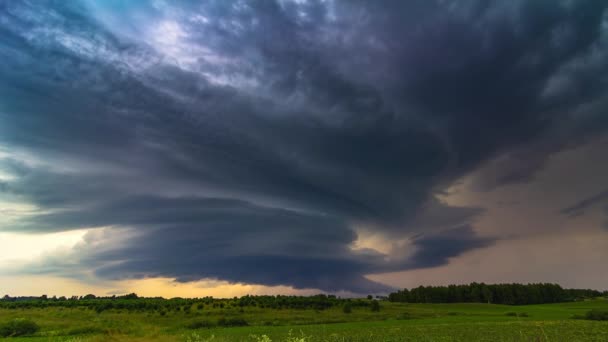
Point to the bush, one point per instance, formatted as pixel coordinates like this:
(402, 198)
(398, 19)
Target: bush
(347, 308)
(263, 338)
(516, 314)
(375, 306)
(194, 337)
(232, 322)
(90, 330)
(597, 315)
(200, 325)
(404, 315)
(18, 327)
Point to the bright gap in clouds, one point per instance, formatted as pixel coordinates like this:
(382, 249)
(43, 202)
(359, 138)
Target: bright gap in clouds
(27, 247)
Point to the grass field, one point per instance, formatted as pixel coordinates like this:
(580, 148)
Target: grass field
(394, 322)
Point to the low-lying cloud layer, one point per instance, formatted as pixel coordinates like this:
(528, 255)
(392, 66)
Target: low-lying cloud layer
(248, 141)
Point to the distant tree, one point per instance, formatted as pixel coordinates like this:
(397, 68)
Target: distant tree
(375, 306)
(370, 297)
(129, 296)
(486, 294)
(347, 308)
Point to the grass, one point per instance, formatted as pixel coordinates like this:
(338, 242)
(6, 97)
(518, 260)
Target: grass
(394, 322)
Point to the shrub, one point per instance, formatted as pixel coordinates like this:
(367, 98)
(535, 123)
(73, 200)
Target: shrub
(517, 314)
(194, 337)
(271, 323)
(375, 306)
(405, 315)
(597, 315)
(90, 330)
(347, 308)
(291, 337)
(200, 324)
(232, 322)
(18, 327)
(263, 338)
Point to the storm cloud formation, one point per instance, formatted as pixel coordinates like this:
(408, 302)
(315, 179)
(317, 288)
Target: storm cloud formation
(248, 140)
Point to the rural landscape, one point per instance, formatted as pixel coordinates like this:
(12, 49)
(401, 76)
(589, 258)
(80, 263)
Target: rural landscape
(304, 170)
(475, 312)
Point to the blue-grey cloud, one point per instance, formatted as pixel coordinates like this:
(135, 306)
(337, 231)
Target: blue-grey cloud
(435, 249)
(196, 125)
(193, 238)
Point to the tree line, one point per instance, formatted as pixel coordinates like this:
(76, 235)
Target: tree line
(132, 302)
(510, 294)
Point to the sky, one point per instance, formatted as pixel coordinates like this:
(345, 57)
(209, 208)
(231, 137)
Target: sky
(224, 148)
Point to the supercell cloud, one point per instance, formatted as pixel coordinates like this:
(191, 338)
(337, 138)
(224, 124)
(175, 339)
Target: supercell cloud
(255, 141)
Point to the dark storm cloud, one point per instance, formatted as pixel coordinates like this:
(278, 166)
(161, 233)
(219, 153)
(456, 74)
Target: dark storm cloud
(435, 249)
(194, 238)
(190, 238)
(237, 242)
(197, 125)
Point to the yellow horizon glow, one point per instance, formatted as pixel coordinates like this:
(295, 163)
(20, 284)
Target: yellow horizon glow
(36, 285)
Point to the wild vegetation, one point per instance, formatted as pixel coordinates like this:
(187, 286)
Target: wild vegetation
(18, 327)
(295, 319)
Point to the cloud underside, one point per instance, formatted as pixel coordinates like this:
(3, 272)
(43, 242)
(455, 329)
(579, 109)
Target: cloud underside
(245, 141)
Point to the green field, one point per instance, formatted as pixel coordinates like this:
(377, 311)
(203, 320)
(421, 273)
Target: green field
(394, 322)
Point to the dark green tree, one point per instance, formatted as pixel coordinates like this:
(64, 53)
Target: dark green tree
(375, 306)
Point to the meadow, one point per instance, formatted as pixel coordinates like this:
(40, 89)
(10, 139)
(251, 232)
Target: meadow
(393, 322)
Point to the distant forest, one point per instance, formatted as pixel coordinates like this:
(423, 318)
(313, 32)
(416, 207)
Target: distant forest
(510, 294)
